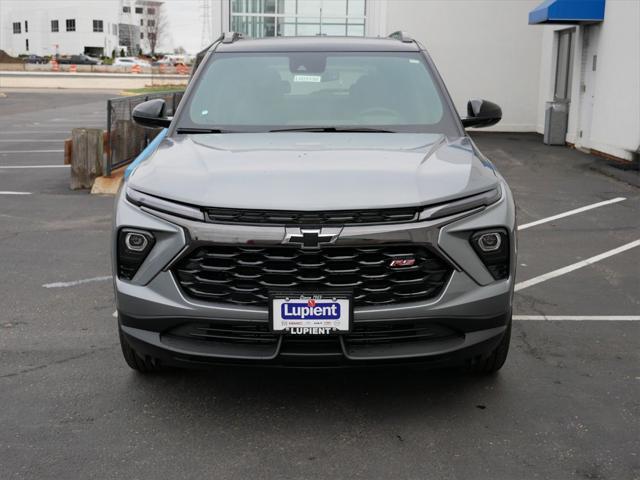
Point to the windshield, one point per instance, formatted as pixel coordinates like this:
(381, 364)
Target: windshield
(391, 91)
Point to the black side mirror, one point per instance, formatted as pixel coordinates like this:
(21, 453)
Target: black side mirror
(482, 113)
(151, 114)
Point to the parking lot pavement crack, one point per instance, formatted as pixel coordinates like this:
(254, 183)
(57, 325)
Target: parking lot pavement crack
(58, 362)
(527, 347)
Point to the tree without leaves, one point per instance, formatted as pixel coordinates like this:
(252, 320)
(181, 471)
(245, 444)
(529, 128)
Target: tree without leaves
(155, 27)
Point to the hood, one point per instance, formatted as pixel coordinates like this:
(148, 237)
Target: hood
(313, 171)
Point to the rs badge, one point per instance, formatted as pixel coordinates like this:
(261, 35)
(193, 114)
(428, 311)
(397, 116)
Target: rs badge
(402, 262)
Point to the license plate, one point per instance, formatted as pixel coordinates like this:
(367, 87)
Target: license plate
(311, 314)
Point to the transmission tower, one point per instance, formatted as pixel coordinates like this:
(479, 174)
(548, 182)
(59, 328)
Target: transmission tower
(205, 8)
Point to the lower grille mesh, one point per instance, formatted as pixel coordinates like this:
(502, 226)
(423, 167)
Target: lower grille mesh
(246, 275)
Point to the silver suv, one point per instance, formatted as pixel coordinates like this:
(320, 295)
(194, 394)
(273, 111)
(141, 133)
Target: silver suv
(314, 201)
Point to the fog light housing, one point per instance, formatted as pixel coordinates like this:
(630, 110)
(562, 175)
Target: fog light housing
(133, 248)
(492, 246)
(490, 242)
(135, 241)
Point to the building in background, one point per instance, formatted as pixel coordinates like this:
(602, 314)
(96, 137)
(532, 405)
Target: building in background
(71, 27)
(590, 62)
(136, 23)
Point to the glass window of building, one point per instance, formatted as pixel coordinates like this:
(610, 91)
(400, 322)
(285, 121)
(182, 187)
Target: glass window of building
(126, 9)
(98, 26)
(17, 27)
(55, 26)
(139, 10)
(71, 24)
(26, 27)
(275, 18)
(151, 11)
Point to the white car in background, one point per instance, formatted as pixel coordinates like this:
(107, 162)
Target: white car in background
(129, 62)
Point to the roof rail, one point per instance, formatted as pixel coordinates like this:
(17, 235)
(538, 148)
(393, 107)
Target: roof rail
(230, 37)
(404, 37)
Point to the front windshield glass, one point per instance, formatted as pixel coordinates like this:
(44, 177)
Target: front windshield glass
(370, 90)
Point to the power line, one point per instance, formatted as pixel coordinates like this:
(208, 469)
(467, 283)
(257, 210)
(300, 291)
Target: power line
(205, 37)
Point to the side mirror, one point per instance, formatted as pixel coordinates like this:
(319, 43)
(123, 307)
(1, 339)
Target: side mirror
(482, 113)
(151, 114)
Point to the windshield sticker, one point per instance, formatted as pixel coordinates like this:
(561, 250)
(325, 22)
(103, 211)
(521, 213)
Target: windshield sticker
(307, 78)
(204, 112)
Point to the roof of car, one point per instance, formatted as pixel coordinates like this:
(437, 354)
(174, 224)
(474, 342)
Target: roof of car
(319, 43)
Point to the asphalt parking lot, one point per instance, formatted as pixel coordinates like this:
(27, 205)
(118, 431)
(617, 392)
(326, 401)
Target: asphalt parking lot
(566, 404)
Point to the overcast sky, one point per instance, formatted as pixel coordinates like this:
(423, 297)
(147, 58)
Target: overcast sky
(185, 20)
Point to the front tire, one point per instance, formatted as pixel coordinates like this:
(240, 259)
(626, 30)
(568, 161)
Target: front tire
(138, 362)
(494, 362)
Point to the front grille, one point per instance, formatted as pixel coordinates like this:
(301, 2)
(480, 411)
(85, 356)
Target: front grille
(340, 217)
(251, 333)
(396, 332)
(246, 275)
(255, 333)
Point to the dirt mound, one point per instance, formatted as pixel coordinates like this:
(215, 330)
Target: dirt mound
(6, 58)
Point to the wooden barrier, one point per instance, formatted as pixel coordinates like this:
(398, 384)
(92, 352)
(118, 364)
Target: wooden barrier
(87, 156)
(68, 151)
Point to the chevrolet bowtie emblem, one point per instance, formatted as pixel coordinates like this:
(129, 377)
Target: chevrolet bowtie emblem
(311, 237)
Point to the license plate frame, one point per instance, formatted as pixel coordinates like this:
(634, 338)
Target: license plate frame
(318, 327)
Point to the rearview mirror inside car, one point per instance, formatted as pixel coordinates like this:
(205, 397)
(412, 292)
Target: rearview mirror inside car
(482, 113)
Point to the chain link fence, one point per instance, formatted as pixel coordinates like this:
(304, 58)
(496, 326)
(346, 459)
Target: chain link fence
(126, 139)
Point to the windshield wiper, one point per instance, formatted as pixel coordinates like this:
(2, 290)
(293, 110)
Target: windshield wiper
(333, 129)
(202, 130)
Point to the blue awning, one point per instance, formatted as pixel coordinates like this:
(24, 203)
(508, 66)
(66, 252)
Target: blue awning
(567, 11)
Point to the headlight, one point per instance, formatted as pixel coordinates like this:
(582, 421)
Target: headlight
(465, 204)
(492, 246)
(133, 247)
(155, 203)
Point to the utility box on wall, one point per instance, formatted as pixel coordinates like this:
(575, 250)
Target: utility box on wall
(556, 117)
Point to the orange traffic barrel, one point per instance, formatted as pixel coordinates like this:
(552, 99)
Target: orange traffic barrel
(136, 69)
(73, 68)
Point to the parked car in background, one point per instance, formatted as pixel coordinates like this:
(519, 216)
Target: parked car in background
(78, 60)
(35, 59)
(130, 62)
(173, 60)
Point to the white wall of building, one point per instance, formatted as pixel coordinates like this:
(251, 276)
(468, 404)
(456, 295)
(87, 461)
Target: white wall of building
(483, 49)
(613, 127)
(42, 40)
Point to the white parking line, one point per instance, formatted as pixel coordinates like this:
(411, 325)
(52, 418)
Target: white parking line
(579, 318)
(76, 282)
(18, 132)
(31, 140)
(14, 193)
(31, 151)
(575, 266)
(34, 166)
(571, 212)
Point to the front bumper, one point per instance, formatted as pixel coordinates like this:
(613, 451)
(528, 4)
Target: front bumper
(473, 310)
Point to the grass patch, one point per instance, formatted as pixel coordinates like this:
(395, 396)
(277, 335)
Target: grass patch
(155, 89)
